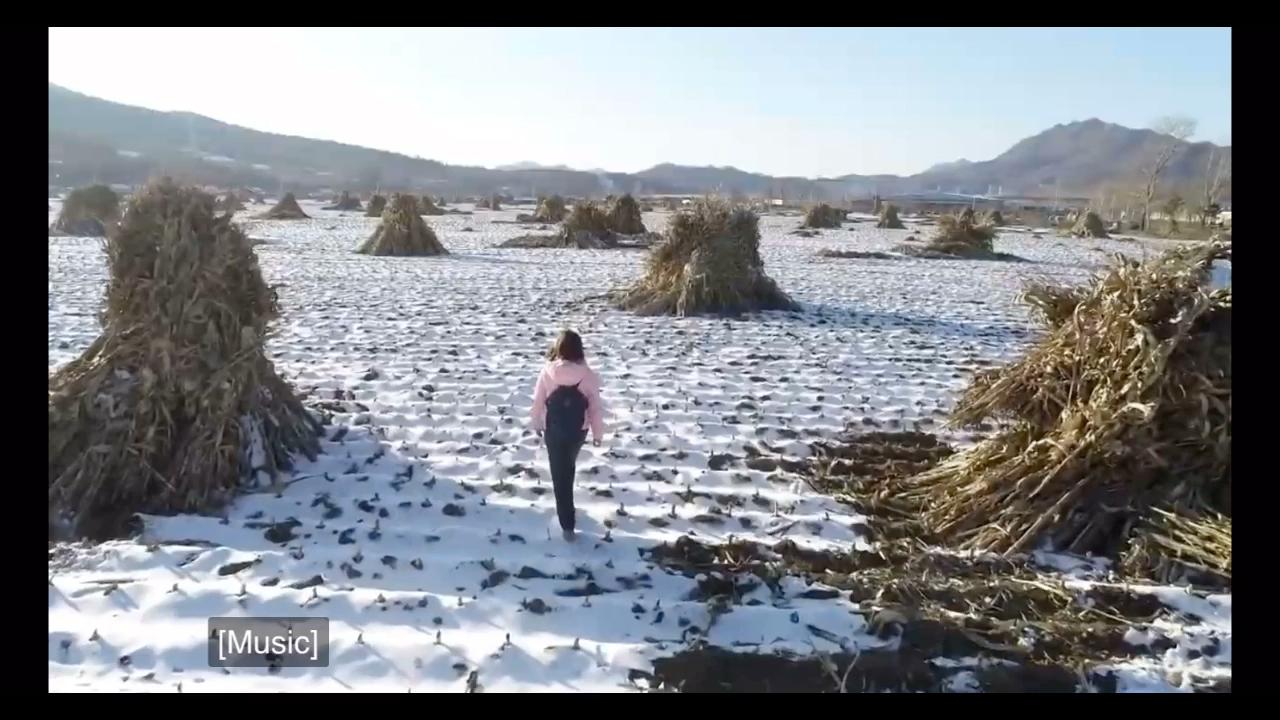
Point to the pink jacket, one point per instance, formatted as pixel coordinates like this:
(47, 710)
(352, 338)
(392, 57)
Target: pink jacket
(561, 372)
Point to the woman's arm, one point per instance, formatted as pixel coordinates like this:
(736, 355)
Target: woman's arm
(538, 413)
(595, 413)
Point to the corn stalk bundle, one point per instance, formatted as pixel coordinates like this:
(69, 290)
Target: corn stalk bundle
(708, 262)
(286, 209)
(403, 232)
(1116, 434)
(176, 404)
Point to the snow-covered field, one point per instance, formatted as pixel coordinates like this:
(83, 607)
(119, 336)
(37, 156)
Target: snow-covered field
(426, 531)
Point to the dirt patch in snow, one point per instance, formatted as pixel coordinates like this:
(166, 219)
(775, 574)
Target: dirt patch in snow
(710, 669)
(1007, 623)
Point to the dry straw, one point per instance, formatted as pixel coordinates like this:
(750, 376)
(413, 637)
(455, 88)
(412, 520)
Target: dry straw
(1118, 435)
(958, 236)
(823, 216)
(376, 205)
(624, 216)
(586, 227)
(550, 209)
(963, 235)
(403, 232)
(230, 203)
(346, 201)
(88, 212)
(1089, 225)
(427, 206)
(708, 262)
(588, 217)
(176, 403)
(889, 219)
(286, 209)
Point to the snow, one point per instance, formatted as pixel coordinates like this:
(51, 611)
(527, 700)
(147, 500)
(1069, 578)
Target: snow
(431, 363)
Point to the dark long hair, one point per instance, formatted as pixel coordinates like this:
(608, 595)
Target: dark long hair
(568, 347)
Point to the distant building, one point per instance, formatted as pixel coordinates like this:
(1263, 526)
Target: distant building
(950, 202)
(938, 202)
(1026, 202)
(682, 199)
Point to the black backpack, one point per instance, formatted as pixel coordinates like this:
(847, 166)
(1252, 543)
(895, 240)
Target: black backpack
(566, 411)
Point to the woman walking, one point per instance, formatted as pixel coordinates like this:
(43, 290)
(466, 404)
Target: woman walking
(566, 403)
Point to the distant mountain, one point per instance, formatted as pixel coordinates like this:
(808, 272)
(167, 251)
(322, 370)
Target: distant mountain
(946, 166)
(686, 179)
(1075, 157)
(98, 140)
(532, 166)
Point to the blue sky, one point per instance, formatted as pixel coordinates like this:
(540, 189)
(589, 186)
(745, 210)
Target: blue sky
(784, 101)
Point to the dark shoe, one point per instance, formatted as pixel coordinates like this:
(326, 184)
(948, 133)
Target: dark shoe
(569, 535)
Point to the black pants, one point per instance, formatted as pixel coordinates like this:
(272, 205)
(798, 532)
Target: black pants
(562, 455)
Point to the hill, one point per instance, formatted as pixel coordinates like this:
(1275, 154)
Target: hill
(1076, 157)
(92, 139)
(97, 140)
(526, 165)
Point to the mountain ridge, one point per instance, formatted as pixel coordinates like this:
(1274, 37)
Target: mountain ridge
(91, 139)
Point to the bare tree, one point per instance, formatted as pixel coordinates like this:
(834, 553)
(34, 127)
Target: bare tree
(1103, 200)
(1173, 206)
(1128, 195)
(1217, 178)
(1174, 131)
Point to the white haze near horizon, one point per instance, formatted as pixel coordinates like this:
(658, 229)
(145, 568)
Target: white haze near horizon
(785, 101)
